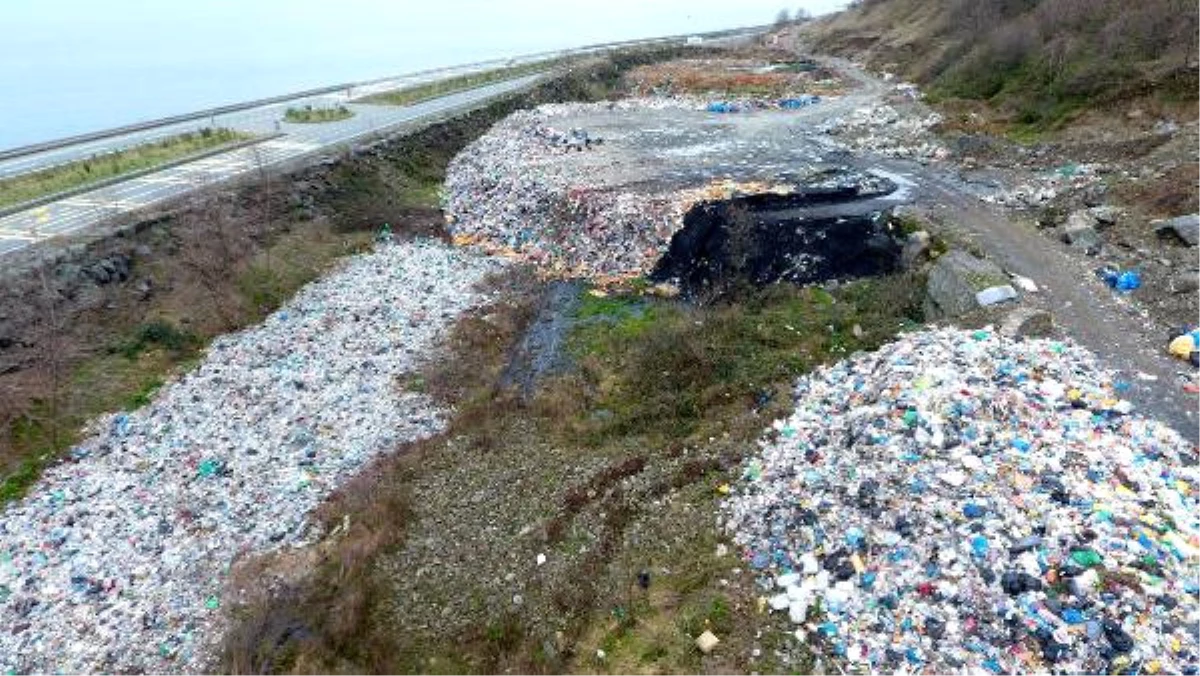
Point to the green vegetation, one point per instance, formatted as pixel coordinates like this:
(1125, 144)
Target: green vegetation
(97, 168)
(430, 90)
(1038, 62)
(158, 333)
(310, 115)
(678, 364)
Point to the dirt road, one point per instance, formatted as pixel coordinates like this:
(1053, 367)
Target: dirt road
(1083, 307)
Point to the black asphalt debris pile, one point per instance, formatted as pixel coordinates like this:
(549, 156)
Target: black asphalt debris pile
(768, 238)
(959, 502)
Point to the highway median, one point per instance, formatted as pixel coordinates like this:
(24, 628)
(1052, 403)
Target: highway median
(407, 96)
(27, 190)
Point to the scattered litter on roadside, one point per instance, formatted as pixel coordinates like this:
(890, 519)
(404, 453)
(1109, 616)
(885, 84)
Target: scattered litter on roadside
(995, 294)
(117, 558)
(1121, 280)
(799, 101)
(747, 105)
(881, 129)
(1186, 346)
(1045, 187)
(1024, 283)
(723, 107)
(962, 502)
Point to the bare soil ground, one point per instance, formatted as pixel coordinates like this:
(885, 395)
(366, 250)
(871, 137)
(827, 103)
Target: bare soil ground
(762, 73)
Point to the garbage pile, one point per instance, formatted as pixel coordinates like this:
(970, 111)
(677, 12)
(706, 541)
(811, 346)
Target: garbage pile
(751, 104)
(116, 560)
(882, 129)
(498, 195)
(1046, 186)
(959, 502)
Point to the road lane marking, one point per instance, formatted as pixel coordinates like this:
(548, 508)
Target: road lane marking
(75, 213)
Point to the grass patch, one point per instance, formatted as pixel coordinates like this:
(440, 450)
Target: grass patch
(101, 384)
(431, 90)
(80, 173)
(310, 115)
(160, 333)
(680, 363)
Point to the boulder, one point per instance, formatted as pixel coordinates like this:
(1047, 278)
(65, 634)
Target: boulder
(1080, 232)
(916, 249)
(1184, 281)
(954, 282)
(1185, 228)
(1027, 323)
(1105, 215)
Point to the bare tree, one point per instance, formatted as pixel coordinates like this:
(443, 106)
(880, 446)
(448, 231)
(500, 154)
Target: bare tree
(264, 179)
(211, 248)
(50, 353)
(782, 18)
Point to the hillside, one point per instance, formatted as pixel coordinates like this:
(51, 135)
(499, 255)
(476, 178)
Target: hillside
(1039, 63)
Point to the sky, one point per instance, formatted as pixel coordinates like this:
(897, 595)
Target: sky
(68, 66)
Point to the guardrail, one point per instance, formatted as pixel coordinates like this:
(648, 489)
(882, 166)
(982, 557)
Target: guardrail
(232, 108)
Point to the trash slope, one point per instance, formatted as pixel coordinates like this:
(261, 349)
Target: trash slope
(958, 501)
(116, 559)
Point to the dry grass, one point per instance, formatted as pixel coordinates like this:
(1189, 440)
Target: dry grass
(1040, 64)
(1172, 193)
(729, 77)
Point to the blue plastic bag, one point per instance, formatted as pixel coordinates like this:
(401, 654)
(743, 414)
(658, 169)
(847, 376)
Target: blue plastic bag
(1128, 281)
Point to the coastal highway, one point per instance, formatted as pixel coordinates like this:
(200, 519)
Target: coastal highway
(254, 119)
(293, 141)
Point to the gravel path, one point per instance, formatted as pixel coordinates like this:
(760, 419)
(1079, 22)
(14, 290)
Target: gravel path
(1114, 327)
(116, 559)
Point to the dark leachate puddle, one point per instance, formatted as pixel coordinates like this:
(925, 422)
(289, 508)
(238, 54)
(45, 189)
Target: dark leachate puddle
(810, 236)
